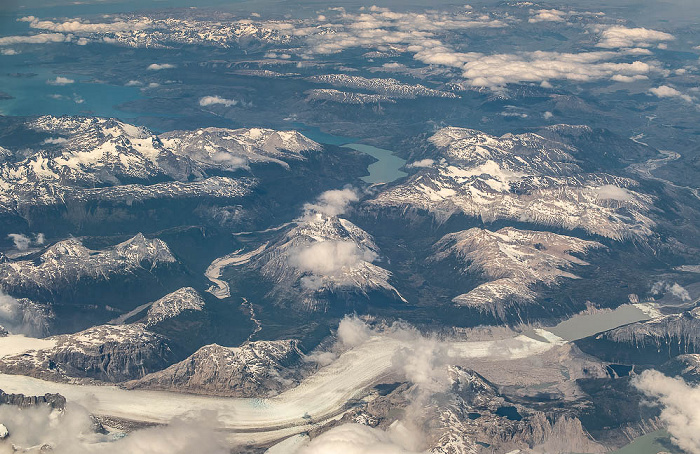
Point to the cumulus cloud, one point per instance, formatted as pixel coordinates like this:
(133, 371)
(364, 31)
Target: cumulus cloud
(675, 289)
(78, 26)
(360, 439)
(8, 52)
(540, 67)
(421, 360)
(418, 34)
(547, 15)
(21, 241)
(664, 91)
(23, 317)
(680, 406)
(628, 79)
(216, 100)
(322, 258)
(43, 38)
(71, 432)
(619, 36)
(353, 332)
(160, 66)
(329, 258)
(421, 163)
(612, 192)
(382, 28)
(55, 141)
(334, 202)
(494, 71)
(60, 80)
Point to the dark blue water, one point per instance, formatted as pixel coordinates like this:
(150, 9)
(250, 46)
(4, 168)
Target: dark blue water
(510, 413)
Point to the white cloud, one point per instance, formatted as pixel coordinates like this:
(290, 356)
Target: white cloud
(419, 34)
(158, 67)
(60, 80)
(70, 432)
(679, 291)
(77, 26)
(217, 100)
(353, 332)
(681, 407)
(547, 15)
(664, 91)
(628, 79)
(380, 28)
(359, 439)
(55, 140)
(333, 203)
(23, 317)
(423, 361)
(21, 241)
(421, 163)
(675, 289)
(35, 39)
(329, 258)
(612, 192)
(494, 71)
(618, 36)
(548, 115)
(8, 52)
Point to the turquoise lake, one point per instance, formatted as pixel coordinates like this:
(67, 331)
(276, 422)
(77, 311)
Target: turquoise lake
(385, 170)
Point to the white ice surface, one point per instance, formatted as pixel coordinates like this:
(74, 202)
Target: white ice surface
(15, 344)
(318, 398)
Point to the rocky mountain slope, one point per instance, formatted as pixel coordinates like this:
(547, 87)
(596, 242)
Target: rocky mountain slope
(66, 263)
(90, 151)
(55, 401)
(106, 352)
(174, 304)
(255, 369)
(512, 261)
(321, 255)
(230, 149)
(472, 417)
(649, 343)
(686, 366)
(69, 164)
(519, 178)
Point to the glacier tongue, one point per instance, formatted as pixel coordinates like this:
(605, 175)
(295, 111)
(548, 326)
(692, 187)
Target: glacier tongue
(321, 254)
